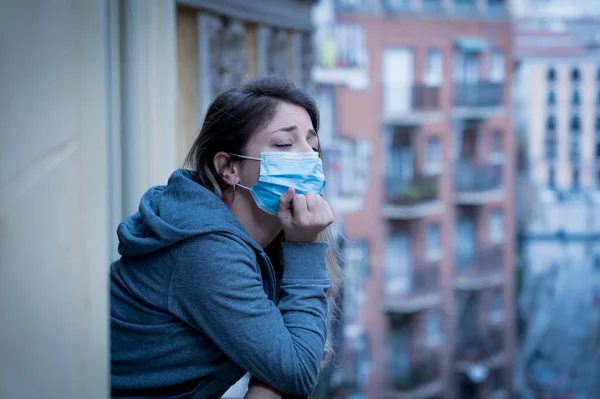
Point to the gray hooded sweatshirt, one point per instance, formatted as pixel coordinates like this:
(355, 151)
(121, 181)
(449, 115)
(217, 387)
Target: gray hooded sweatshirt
(196, 303)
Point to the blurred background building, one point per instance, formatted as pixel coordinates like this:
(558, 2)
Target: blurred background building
(427, 305)
(557, 98)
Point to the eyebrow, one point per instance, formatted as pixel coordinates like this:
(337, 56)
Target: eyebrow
(294, 128)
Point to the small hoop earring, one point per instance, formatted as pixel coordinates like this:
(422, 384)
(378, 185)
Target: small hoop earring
(234, 189)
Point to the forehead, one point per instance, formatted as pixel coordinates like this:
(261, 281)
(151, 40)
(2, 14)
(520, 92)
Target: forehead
(289, 114)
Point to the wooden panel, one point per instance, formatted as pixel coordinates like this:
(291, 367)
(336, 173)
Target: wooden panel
(188, 122)
(250, 47)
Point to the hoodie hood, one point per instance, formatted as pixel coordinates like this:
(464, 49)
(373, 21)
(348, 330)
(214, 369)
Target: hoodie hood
(180, 210)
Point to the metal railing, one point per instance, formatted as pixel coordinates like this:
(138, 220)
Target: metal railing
(471, 176)
(481, 345)
(485, 261)
(478, 94)
(420, 189)
(418, 97)
(422, 370)
(340, 46)
(425, 279)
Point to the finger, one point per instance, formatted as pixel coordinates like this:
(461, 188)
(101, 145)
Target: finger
(312, 202)
(300, 209)
(284, 208)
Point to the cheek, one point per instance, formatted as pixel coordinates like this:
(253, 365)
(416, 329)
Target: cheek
(250, 172)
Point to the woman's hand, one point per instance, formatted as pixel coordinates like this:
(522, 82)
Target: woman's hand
(258, 390)
(303, 217)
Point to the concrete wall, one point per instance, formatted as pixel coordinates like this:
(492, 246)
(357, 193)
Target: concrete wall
(54, 199)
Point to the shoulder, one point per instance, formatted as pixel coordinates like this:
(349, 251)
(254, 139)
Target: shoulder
(215, 249)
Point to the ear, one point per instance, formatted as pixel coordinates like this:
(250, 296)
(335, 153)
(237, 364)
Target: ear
(226, 168)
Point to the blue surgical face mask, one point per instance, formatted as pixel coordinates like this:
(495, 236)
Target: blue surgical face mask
(282, 170)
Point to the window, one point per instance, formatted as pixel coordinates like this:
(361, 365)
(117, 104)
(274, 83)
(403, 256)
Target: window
(598, 75)
(598, 98)
(550, 147)
(433, 155)
(497, 70)
(551, 178)
(496, 300)
(496, 227)
(551, 97)
(432, 242)
(398, 352)
(397, 77)
(598, 178)
(575, 123)
(551, 75)
(575, 98)
(434, 75)
(575, 76)
(397, 264)
(597, 124)
(575, 178)
(356, 270)
(497, 147)
(464, 241)
(551, 123)
(497, 379)
(433, 327)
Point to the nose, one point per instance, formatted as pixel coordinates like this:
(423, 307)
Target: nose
(304, 146)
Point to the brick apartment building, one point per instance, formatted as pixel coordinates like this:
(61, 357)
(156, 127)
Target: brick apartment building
(424, 85)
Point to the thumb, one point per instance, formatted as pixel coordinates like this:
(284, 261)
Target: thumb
(284, 210)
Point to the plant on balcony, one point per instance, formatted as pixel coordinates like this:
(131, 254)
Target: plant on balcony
(421, 189)
(416, 376)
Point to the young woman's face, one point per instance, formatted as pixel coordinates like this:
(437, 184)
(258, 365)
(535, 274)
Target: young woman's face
(290, 130)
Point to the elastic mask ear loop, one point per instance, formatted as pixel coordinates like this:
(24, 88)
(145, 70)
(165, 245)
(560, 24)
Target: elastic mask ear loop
(245, 157)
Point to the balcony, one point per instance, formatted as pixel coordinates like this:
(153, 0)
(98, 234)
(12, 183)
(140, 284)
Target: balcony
(497, 7)
(396, 7)
(431, 6)
(423, 292)
(477, 100)
(341, 56)
(351, 5)
(422, 380)
(486, 349)
(413, 200)
(411, 105)
(477, 184)
(464, 6)
(482, 270)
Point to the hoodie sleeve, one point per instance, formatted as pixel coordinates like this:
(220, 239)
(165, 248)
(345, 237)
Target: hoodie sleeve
(217, 288)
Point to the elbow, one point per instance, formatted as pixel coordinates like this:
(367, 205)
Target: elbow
(301, 381)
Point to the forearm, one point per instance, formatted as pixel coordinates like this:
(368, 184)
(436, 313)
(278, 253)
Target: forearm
(258, 390)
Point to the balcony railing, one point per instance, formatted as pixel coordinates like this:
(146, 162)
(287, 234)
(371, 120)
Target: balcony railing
(412, 200)
(431, 5)
(404, 103)
(480, 347)
(482, 269)
(478, 94)
(423, 292)
(341, 55)
(464, 6)
(423, 375)
(474, 177)
(420, 189)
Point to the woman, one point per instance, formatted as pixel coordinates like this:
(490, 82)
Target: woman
(226, 269)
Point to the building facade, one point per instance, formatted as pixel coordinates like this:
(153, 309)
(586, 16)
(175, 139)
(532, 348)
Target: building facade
(427, 311)
(557, 109)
